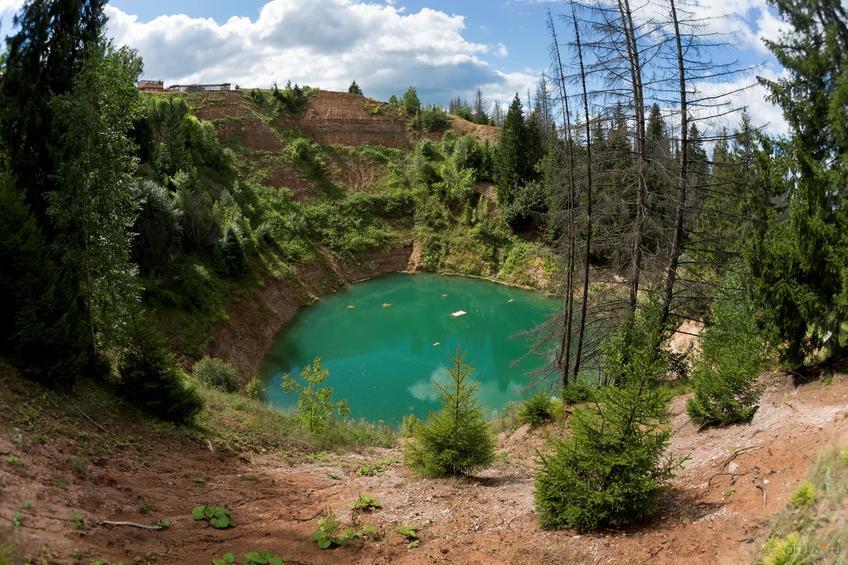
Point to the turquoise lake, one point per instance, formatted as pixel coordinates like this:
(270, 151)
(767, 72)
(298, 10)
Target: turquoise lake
(386, 340)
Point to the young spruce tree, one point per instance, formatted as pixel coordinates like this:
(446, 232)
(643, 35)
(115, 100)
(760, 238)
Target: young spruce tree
(609, 470)
(456, 440)
(726, 390)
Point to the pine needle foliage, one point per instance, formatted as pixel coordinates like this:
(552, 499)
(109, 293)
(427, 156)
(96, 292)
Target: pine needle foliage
(149, 378)
(457, 439)
(725, 383)
(609, 471)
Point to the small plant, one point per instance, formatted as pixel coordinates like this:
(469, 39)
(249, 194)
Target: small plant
(164, 524)
(16, 519)
(378, 468)
(79, 523)
(315, 407)
(325, 536)
(536, 410)
(788, 550)
(249, 558)
(365, 502)
(143, 507)
(457, 439)
(410, 533)
(79, 465)
(804, 496)
(409, 424)
(216, 516)
(329, 535)
(216, 373)
(254, 388)
(200, 480)
(13, 459)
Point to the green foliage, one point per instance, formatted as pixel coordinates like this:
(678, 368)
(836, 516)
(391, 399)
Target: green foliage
(325, 536)
(410, 102)
(351, 226)
(377, 468)
(812, 528)
(411, 535)
(254, 388)
(609, 470)
(365, 502)
(354, 89)
(726, 371)
(77, 521)
(216, 373)
(315, 407)
(804, 496)
(790, 550)
(536, 410)
(291, 99)
(456, 440)
(798, 255)
(311, 157)
(514, 164)
(431, 118)
(150, 380)
(35, 331)
(576, 393)
(216, 516)
(57, 50)
(158, 227)
(235, 264)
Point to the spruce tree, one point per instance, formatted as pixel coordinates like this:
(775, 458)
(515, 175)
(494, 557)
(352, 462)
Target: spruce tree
(727, 368)
(798, 260)
(512, 156)
(456, 440)
(609, 470)
(354, 89)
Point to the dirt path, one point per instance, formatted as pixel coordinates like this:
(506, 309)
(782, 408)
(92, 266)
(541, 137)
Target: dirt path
(715, 511)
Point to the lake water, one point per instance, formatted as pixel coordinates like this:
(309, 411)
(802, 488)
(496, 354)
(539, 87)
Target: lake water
(386, 340)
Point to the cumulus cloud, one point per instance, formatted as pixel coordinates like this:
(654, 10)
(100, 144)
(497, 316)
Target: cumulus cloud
(326, 43)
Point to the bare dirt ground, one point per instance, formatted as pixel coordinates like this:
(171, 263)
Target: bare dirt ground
(57, 463)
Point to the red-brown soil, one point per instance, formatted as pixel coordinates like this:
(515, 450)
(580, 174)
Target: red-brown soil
(339, 118)
(715, 511)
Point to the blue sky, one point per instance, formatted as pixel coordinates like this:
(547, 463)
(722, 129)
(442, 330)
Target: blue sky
(443, 48)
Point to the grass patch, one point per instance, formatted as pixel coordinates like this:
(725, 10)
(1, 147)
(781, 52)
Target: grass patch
(243, 424)
(813, 528)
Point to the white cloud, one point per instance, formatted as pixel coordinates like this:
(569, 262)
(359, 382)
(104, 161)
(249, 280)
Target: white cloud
(325, 43)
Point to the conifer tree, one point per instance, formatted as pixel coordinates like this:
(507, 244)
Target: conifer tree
(512, 166)
(727, 368)
(456, 440)
(798, 260)
(609, 470)
(354, 89)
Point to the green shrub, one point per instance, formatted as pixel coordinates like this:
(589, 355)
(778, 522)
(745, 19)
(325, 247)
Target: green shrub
(790, 550)
(536, 410)
(456, 440)
(254, 388)
(216, 373)
(150, 380)
(365, 502)
(315, 407)
(216, 516)
(609, 470)
(576, 393)
(249, 558)
(804, 496)
(726, 390)
(235, 263)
